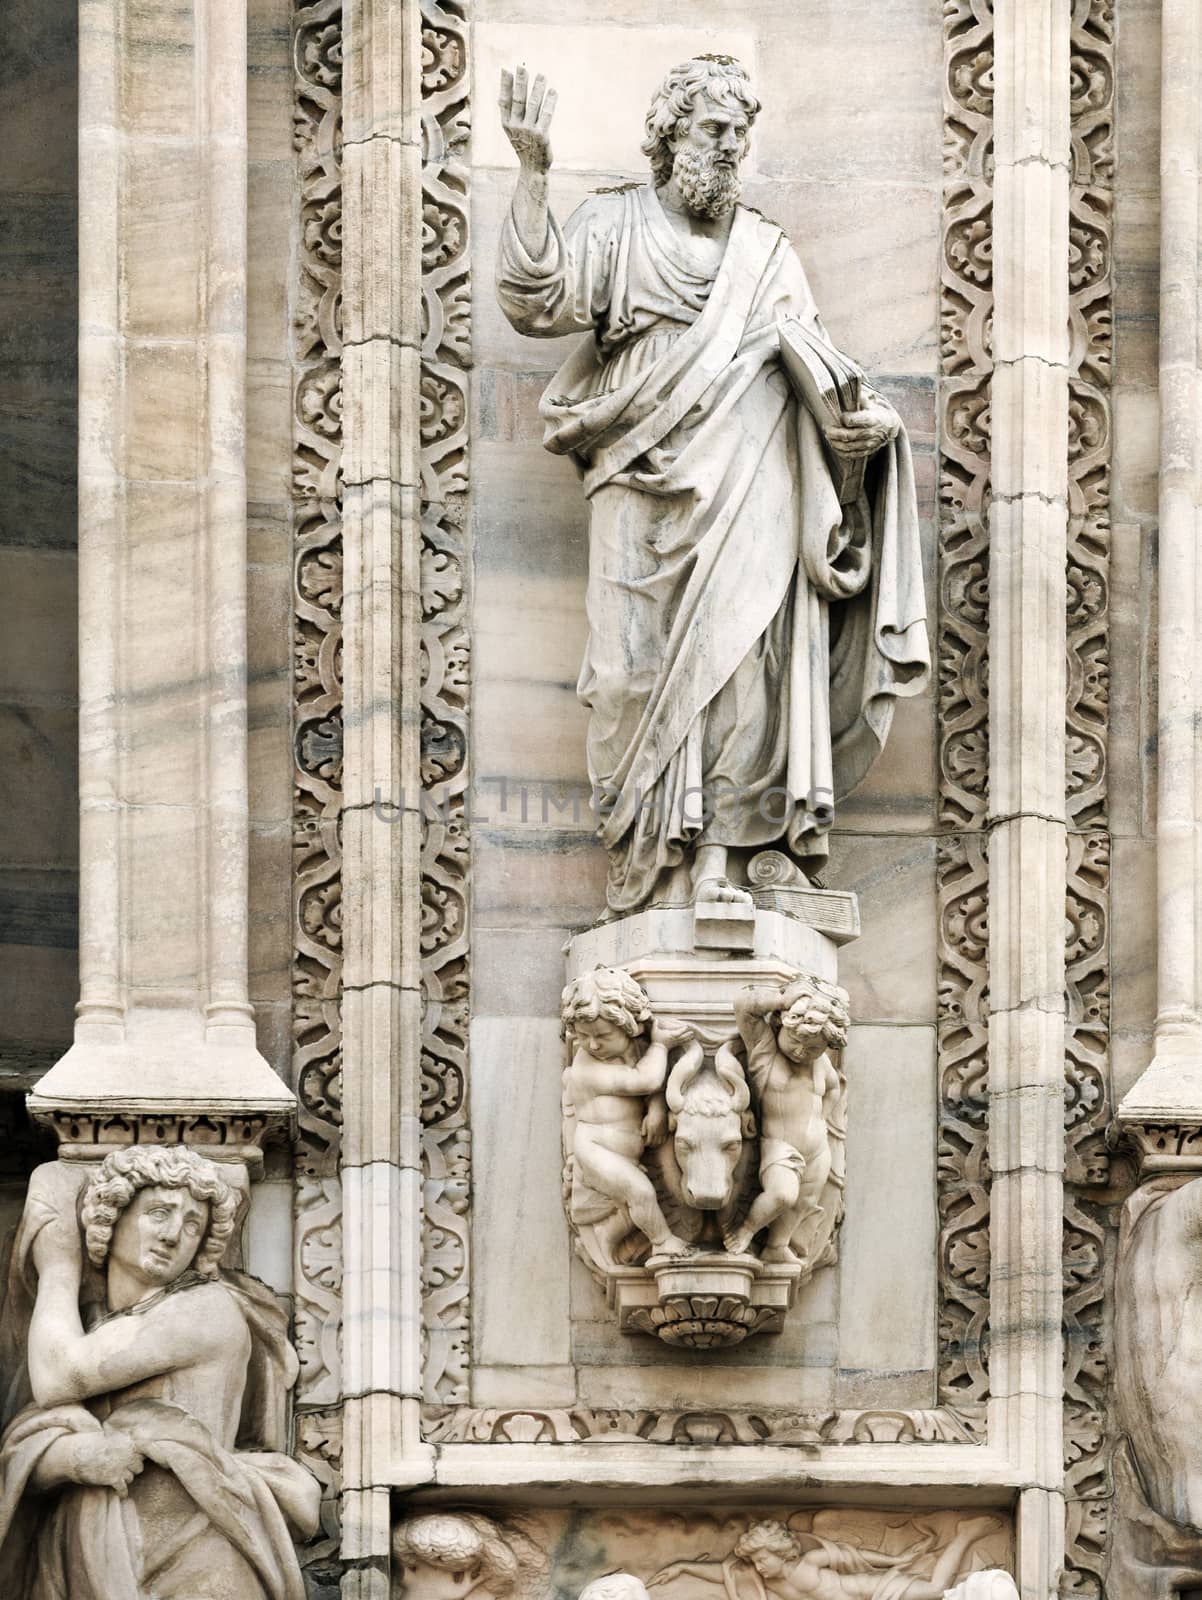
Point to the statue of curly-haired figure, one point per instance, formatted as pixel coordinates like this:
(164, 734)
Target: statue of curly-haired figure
(613, 1096)
(142, 1453)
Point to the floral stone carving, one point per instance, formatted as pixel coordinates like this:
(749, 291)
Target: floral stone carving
(704, 1173)
(145, 1405)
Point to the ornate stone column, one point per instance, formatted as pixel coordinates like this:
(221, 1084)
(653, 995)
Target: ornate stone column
(164, 1021)
(382, 832)
(1028, 529)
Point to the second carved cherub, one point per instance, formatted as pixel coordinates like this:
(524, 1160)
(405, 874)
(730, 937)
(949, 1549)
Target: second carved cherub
(794, 1036)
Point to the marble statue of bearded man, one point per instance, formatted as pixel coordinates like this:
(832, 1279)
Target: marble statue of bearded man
(142, 1453)
(748, 632)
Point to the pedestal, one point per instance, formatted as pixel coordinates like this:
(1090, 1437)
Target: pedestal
(691, 969)
(699, 984)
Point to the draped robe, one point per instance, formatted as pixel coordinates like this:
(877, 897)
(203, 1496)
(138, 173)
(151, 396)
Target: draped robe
(747, 634)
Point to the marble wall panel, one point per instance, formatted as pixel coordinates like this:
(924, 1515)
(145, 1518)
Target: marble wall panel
(521, 1246)
(156, 68)
(887, 1250)
(38, 987)
(889, 971)
(161, 257)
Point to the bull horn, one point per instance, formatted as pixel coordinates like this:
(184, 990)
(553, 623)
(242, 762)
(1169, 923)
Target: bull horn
(730, 1075)
(681, 1077)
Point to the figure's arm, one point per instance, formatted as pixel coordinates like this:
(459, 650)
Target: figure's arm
(647, 1075)
(526, 112)
(549, 281)
(55, 1322)
(707, 1571)
(67, 1364)
(655, 1124)
(754, 1005)
(828, 1078)
(603, 1077)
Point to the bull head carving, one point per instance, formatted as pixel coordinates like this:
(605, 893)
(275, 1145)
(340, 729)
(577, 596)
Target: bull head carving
(709, 1117)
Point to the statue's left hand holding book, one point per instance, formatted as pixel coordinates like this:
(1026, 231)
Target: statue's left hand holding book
(831, 387)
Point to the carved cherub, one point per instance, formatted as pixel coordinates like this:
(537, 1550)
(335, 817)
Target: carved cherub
(612, 1091)
(798, 1090)
(789, 1565)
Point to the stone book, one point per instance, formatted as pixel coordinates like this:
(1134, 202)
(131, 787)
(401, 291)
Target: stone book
(829, 384)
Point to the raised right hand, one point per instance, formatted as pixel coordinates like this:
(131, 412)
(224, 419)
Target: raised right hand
(526, 112)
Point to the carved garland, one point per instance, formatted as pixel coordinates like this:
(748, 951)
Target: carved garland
(962, 871)
(317, 691)
(1089, 1230)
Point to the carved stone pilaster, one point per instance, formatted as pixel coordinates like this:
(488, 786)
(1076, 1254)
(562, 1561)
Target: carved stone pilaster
(966, 367)
(317, 745)
(446, 646)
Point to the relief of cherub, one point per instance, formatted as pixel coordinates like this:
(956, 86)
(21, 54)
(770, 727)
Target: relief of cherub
(784, 1563)
(788, 1032)
(613, 1096)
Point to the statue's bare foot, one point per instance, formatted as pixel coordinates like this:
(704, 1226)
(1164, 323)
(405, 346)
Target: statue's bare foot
(671, 1249)
(781, 1255)
(721, 892)
(738, 1243)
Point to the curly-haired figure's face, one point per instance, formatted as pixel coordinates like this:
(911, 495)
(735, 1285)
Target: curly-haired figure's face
(768, 1563)
(604, 1040)
(156, 1237)
(803, 1033)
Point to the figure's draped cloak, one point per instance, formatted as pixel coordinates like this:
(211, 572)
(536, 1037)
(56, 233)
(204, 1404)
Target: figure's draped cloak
(747, 634)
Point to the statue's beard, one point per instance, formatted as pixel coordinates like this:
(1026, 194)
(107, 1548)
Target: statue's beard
(708, 186)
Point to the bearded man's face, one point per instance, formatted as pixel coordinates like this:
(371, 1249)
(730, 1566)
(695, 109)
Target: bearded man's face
(705, 163)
